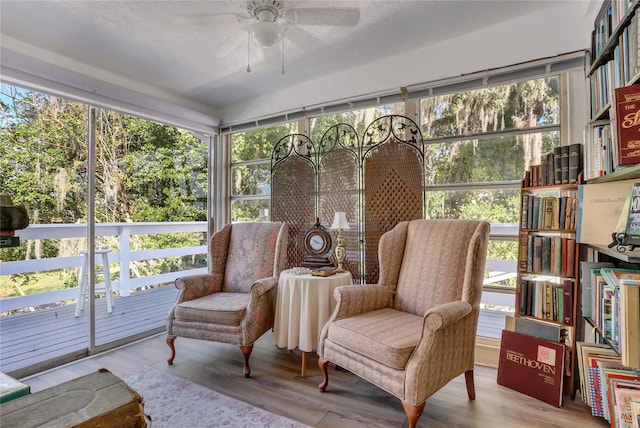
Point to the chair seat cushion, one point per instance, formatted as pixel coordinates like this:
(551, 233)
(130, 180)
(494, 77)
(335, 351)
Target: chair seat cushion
(217, 308)
(385, 335)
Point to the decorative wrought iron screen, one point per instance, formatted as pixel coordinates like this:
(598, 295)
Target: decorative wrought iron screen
(378, 180)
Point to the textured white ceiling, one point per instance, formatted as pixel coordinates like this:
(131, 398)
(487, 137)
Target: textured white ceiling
(194, 53)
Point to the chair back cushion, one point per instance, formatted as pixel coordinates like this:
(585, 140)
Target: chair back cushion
(443, 262)
(254, 253)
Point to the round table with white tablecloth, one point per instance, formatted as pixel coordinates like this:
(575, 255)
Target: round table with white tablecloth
(304, 305)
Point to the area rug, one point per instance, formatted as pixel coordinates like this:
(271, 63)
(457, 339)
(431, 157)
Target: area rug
(170, 401)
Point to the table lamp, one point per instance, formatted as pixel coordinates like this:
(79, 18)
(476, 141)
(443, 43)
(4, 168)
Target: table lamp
(340, 223)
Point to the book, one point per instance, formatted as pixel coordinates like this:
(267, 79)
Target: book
(545, 255)
(600, 206)
(586, 282)
(557, 165)
(632, 229)
(617, 276)
(564, 162)
(575, 162)
(621, 395)
(532, 366)
(524, 211)
(608, 376)
(567, 294)
(324, 271)
(523, 244)
(635, 412)
(627, 110)
(627, 282)
(536, 328)
(584, 350)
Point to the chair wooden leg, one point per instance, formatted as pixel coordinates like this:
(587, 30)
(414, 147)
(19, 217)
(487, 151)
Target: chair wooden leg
(412, 412)
(246, 352)
(323, 364)
(471, 389)
(170, 340)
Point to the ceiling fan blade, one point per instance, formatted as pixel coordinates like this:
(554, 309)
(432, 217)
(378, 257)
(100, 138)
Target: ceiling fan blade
(302, 38)
(312, 16)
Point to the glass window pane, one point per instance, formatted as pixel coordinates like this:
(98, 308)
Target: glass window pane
(359, 119)
(258, 143)
(247, 180)
(492, 205)
(484, 160)
(519, 105)
(251, 210)
(502, 250)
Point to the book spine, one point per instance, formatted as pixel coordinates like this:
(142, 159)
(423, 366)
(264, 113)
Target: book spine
(575, 162)
(545, 263)
(523, 245)
(564, 155)
(557, 165)
(627, 108)
(536, 212)
(524, 212)
(537, 254)
(567, 288)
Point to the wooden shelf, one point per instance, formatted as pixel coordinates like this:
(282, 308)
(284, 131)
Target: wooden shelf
(627, 173)
(624, 256)
(607, 51)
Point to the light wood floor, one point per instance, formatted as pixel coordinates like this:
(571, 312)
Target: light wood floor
(276, 385)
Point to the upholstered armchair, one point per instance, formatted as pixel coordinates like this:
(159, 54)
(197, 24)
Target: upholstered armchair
(415, 330)
(235, 302)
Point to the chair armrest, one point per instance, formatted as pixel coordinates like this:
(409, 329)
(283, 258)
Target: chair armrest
(194, 286)
(260, 310)
(444, 315)
(356, 299)
(445, 350)
(262, 286)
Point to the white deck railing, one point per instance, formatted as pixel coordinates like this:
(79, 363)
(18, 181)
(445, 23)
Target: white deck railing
(491, 296)
(124, 256)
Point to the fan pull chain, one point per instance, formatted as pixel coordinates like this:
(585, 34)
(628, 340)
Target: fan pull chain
(283, 54)
(248, 51)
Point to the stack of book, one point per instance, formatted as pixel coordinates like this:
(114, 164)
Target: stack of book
(608, 387)
(534, 358)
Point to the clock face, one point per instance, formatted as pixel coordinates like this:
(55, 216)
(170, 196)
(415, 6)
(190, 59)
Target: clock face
(316, 242)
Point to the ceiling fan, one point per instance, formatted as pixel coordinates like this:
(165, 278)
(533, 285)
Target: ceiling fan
(268, 22)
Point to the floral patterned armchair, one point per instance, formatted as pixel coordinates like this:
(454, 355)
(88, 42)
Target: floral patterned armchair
(415, 330)
(235, 302)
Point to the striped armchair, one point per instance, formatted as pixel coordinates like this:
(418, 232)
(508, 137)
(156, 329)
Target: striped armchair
(415, 330)
(235, 302)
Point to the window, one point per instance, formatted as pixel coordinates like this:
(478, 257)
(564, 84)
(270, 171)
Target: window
(478, 145)
(251, 171)
(150, 212)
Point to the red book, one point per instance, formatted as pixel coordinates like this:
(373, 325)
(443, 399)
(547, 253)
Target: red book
(627, 102)
(532, 366)
(567, 304)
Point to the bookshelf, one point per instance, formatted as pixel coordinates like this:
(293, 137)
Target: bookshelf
(615, 63)
(547, 288)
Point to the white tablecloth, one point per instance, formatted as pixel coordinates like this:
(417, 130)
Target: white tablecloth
(303, 306)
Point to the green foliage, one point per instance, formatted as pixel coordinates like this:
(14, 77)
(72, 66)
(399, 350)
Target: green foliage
(145, 172)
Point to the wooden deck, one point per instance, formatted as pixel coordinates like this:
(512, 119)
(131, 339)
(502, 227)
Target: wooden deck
(36, 341)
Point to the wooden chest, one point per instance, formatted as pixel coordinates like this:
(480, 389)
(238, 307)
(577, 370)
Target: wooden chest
(99, 399)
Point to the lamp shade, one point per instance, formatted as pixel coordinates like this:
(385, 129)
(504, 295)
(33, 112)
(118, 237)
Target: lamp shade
(266, 33)
(340, 221)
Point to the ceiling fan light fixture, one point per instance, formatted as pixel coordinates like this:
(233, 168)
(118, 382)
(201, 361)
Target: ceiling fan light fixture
(266, 33)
